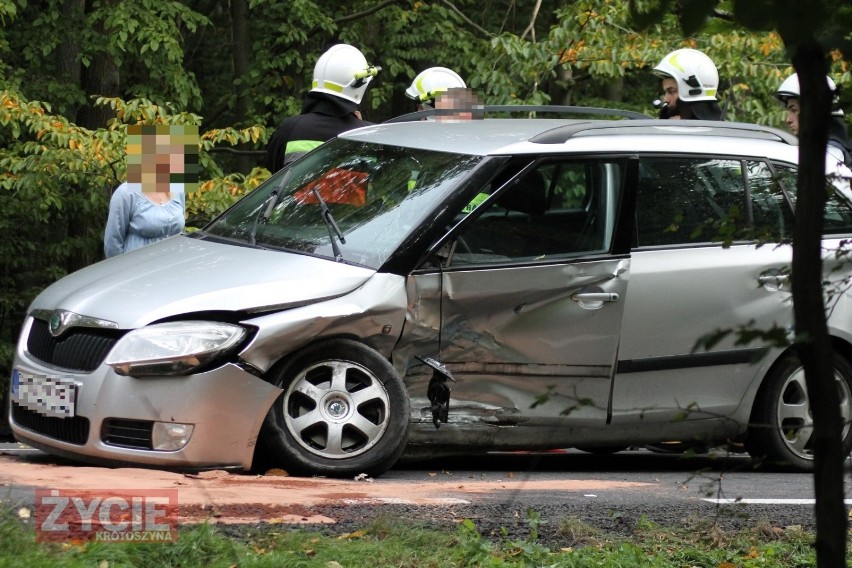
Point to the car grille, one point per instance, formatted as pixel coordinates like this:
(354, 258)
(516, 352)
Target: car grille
(128, 433)
(71, 430)
(78, 349)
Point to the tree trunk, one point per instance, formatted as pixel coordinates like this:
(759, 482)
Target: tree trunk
(814, 346)
(101, 78)
(68, 52)
(560, 95)
(241, 50)
(615, 89)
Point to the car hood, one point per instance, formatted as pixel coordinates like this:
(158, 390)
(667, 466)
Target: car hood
(183, 275)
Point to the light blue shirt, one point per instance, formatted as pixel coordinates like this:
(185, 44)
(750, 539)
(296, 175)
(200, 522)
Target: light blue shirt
(135, 221)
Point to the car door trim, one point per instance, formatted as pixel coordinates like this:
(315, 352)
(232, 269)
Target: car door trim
(673, 362)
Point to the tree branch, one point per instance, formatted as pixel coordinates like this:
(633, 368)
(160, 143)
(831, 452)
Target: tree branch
(531, 26)
(365, 13)
(467, 20)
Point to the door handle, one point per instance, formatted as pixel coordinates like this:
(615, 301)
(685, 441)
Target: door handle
(773, 280)
(595, 297)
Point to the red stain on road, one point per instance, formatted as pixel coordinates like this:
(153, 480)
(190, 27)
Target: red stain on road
(222, 496)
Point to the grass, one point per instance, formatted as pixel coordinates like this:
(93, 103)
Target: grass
(389, 542)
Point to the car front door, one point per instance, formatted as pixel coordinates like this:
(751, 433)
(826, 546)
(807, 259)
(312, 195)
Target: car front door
(528, 304)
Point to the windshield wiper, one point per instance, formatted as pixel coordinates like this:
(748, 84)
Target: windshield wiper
(272, 201)
(333, 229)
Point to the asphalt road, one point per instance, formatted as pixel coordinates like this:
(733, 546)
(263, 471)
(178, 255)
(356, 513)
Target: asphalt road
(612, 493)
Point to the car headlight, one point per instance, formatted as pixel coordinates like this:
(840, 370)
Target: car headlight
(174, 348)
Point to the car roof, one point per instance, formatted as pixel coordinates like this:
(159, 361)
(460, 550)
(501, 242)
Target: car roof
(513, 136)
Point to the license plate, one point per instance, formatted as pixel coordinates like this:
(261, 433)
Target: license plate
(51, 396)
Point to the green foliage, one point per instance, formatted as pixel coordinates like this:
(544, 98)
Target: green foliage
(693, 14)
(646, 13)
(58, 41)
(53, 175)
(287, 39)
(55, 182)
(217, 194)
(151, 31)
(391, 542)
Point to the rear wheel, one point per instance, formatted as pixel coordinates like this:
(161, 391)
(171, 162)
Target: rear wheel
(781, 427)
(344, 411)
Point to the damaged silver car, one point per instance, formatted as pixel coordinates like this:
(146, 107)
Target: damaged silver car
(427, 288)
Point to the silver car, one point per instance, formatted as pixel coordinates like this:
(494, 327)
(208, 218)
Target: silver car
(426, 288)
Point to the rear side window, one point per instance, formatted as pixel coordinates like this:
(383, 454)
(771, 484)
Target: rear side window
(771, 210)
(682, 201)
(687, 200)
(838, 213)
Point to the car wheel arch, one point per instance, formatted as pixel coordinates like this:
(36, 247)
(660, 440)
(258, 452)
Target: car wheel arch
(276, 440)
(767, 440)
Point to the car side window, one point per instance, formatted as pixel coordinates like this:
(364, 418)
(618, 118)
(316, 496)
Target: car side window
(557, 210)
(688, 200)
(771, 212)
(838, 211)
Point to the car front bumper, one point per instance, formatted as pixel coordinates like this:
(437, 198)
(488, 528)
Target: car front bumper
(225, 420)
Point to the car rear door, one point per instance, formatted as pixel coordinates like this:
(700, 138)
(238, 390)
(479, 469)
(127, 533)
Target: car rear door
(707, 260)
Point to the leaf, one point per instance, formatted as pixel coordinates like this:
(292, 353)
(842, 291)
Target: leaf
(650, 13)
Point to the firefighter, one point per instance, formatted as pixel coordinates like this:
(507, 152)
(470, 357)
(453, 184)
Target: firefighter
(341, 76)
(838, 143)
(428, 84)
(690, 82)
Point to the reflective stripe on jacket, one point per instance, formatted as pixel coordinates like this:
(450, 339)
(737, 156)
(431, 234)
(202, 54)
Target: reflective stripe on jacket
(323, 117)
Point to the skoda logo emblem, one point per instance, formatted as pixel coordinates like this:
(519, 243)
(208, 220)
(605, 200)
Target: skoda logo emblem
(60, 321)
(57, 322)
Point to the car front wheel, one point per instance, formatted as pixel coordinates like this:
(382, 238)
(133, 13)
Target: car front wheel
(344, 411)
(781, 427)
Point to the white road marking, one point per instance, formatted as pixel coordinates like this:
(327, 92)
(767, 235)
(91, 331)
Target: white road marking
(768, 501)
(398, 501)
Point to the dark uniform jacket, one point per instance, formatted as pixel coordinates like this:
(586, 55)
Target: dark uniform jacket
(837, 137)
(323, 117)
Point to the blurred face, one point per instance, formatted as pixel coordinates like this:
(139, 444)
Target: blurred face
(792, 120)
(456, 104)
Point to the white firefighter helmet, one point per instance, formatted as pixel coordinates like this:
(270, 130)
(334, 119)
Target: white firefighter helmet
(789, 89)
(431, 82)
(343, 71)
(695, 73)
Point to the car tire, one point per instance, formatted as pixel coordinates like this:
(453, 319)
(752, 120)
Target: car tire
(780, 428)
(344, 412)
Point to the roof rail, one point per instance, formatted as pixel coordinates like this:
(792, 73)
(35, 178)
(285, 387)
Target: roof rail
(544, 109)
(561, 134)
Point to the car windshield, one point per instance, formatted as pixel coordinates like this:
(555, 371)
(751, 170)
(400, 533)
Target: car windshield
(347, 200)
